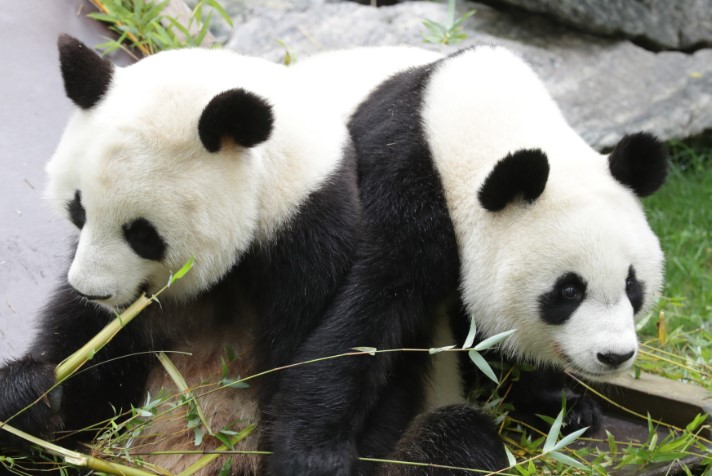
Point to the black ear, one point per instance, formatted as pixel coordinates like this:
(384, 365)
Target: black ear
(639, 161)
(239, 115)
(524, 171)
(86, 75)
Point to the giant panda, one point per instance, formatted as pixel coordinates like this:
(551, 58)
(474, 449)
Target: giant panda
(477, 194)
(192, 153)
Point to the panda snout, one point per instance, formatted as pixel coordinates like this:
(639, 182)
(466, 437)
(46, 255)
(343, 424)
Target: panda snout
(613, 359)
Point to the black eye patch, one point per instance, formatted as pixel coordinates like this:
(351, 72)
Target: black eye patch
(635, 290)
(144, 239)
(77, 214)
(557, 305)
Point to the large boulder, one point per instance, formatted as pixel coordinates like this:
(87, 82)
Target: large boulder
(606, 87)
(659, 24)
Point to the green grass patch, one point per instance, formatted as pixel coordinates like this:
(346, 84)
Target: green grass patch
(681, 215)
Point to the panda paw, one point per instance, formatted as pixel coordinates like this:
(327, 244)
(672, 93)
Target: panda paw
(583, 411)
(338, 459)
(25, 387)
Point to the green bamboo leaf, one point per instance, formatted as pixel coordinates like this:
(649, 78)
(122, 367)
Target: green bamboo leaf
(568, 439)
(221, 11)
(511, 460)
(198, 40)
(482, 364)
(368, 350)
(553, 434)
(567, 460)
(437, 350)
(233, 383)
(470, 335)
(153, 12)
(653, 442)
(612, 445)
(697, 422)
(182, 272)
(494, 340)
(199, 434)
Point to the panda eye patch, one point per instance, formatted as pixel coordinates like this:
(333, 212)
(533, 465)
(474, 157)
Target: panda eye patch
(558, 304)
(571, 293)
(635, 290)
(77, 213)
(144, 239)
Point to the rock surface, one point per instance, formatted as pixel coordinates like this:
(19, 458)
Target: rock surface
(661, 24)
(606, 87)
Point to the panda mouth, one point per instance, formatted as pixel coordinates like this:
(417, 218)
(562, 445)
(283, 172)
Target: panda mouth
(140, 290)
(570, 366)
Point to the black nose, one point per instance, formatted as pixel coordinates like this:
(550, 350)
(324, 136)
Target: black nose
(93, 298)
(614, 360)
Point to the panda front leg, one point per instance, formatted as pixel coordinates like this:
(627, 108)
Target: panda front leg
(448, 438)
(29, 397)
(542, 390)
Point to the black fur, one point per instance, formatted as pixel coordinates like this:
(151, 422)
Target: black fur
(77, 214)
(557, 305)
(635, 290)
(522, 172)
(407, 263)
(459, 436)
(639, 161)
(287, 282)
(237, 115)
(144, 239)
(65, 325)
(535, 392)
(540, 392)
(86, 75)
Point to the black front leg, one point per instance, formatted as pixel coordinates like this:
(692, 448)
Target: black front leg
(28, 401)
(111, 381)
(540, 391)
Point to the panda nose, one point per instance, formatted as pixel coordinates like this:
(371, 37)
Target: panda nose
(93, 298)
(614, 360)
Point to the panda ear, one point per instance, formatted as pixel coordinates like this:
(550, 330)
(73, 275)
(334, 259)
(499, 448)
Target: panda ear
(522, 172)
(86, 75)
(639, 161)
(236, 115)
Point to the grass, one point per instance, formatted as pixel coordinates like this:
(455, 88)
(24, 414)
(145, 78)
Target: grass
(681, 215)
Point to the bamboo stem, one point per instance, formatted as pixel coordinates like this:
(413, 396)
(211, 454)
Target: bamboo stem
(76, 458)
(75, 361)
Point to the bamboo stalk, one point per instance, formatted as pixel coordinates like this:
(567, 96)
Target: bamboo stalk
(76, 458)
(75, 361)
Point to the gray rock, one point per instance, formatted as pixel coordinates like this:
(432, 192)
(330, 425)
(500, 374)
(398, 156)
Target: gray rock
(606, 87)
(662, 24)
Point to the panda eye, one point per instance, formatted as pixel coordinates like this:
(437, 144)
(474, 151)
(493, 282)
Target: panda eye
(77, 213)
(558, 304)
(570, 292)
(635, 290)
(144, 239)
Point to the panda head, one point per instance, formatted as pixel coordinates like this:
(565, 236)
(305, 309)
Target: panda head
(568, 257)
(161, 161)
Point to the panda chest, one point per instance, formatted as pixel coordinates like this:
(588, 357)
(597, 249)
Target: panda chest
(201, 393)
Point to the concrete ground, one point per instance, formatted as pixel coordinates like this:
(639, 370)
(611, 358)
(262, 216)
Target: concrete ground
(34, 240)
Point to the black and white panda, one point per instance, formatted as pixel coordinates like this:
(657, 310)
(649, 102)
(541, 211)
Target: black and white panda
(200, 153)
(474, 189)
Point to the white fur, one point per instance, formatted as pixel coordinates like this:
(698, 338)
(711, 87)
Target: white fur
(137, 153)
(482, 105)
(344, 78)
